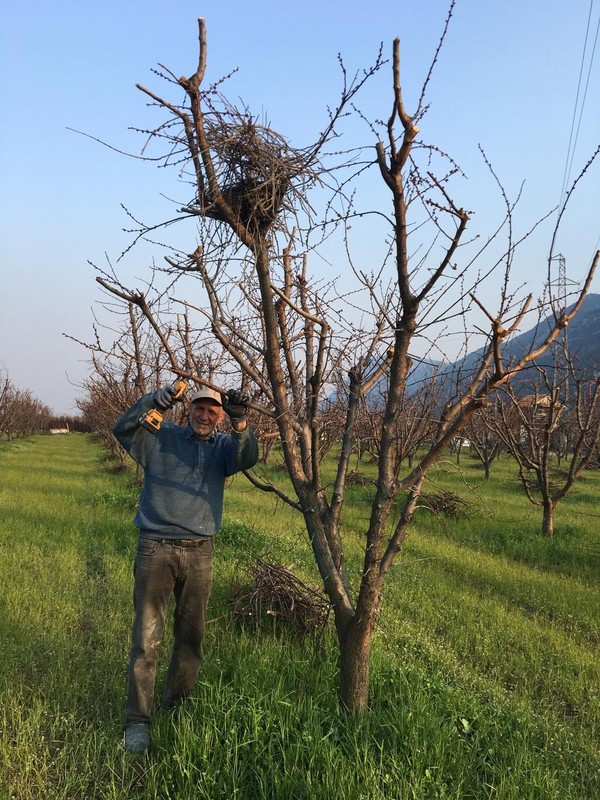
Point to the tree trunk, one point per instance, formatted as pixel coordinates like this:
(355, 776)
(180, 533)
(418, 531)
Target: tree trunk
(355, 660)
(548, 521)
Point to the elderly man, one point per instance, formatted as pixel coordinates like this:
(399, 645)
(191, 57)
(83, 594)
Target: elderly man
(180, 510)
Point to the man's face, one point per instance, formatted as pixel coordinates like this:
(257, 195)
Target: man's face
(204, 417)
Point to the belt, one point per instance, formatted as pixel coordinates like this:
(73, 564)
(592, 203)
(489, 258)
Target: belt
(184, 542)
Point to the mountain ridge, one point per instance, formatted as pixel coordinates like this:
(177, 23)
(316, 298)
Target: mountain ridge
(583, 341)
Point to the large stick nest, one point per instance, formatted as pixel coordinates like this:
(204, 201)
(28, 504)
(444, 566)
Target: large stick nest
(276, 594)
(256, 170)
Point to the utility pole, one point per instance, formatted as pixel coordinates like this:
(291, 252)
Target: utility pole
(562, 282)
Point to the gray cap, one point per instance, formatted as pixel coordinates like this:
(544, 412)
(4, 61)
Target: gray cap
(207, 394)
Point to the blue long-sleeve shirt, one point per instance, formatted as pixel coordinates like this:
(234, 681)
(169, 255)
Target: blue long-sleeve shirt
(184, 476)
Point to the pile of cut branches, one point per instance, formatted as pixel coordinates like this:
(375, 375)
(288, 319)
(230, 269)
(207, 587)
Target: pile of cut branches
(276, 594)
(356, 478)
(443, 504)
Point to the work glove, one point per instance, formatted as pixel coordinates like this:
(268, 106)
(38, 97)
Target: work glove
(164, 398)
(235, 404)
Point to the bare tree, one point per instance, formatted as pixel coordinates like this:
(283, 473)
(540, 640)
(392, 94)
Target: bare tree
(561, 415)
(146, 338)
(413, 426)
(484, 443)
(256, 229)
(21, 414)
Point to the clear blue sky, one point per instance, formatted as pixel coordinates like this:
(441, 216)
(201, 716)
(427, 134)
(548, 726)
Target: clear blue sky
(507, 79)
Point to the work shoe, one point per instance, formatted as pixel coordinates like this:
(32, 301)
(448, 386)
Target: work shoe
(137, 737)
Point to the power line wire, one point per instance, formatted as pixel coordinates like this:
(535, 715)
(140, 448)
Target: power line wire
(587, 83)
(574, 134)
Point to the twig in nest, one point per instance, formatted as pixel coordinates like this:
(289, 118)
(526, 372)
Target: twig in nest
(256, 171)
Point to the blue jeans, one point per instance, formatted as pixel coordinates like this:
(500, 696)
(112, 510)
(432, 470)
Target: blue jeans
(164, 567)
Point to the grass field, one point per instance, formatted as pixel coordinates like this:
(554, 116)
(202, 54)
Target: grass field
(485, 680)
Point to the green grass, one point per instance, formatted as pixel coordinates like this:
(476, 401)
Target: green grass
(485, 678)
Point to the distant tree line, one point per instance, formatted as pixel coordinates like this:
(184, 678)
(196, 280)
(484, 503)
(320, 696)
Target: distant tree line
(76, 424)
(22, 414)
